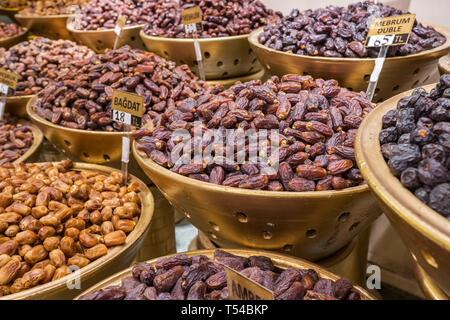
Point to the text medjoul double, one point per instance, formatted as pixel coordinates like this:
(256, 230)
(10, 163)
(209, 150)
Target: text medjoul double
(81, 99)
(50, 7)
(9, 30)
(53, 217)
(341, 31)
(37, 61)
(219, 18)
(315, 123)
(415, 142)
(15, 139)
(199, 278)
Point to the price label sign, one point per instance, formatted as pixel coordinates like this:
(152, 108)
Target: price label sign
(390, 31)
(8, 79)
(190, 18)
(127, 108)
(243, 288)
(120, 24)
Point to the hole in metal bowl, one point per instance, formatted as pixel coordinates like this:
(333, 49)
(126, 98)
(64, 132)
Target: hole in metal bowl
(211, 234)
(353, 226)
(266, 235)
(416, 71)
(415, 84)
(67, 143)
(426, 79)
(99, 41)
(133, 38)
(225, 74)
(86, 155)
(254, 61)
(241, 217)
(288, 247)
(250, 70)
(207, 55)
(344, 217)
(219, 63)
(166, 53)
(311, 233)
(250, 51)
(351, 89)
(367, 77)
(396, 88)
(236, 62)
(429, 258)
(106, 157)
(214, 226)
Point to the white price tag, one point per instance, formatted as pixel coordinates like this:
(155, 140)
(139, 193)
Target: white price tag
(4, 89)
(122, 117)
(125, 149)
(190, 28)
(381, 40)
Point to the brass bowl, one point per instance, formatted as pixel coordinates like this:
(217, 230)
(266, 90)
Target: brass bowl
(399, 73)
(444, 65)
(116, 259)
(10, 41)
(225, 57)
(260, 75)
(99, 40)
(52, 27)
(32, 154)
(310, 225)
(280, 261)
(17, 105)
(425, 232)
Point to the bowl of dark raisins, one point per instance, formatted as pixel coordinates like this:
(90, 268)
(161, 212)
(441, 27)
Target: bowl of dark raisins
(200, 275)
(402, 150)
(328, 43)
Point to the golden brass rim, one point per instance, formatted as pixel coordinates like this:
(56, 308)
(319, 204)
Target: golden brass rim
(38, 137)
(96, 32)
(429, 288)
(39, 17)
(253, 39)
(142, 158)
(9, 9)
(380, 180)
(280, 260)
(14, 39)
(147, 209)
(191, 40)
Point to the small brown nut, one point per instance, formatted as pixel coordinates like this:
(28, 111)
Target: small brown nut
(64, 214)
(74, 233)
(45, 232)
(51, 243)
(67, 245)
(124, 224)
(55, 206)
(75, 223)
(39, 211)
(87, 239)
(60, 272)
(4, 291)
(4, 239)
(123, 213)
(4, 259)
(133, 186)
(24, 268)
(4, 225)
(131, 197)
(33, 278)
(133, 207)
(78, 260)
(9, 247)
(12, 230)
(113, 203)
(50, 220)
(36, 254)
(107, 227)
(10, 217)
(95, 228)
(9, 271)
(24, 249)
(49, 271)
(95, 217)
(96, 252)
(57, 258)
(107, 213)
(30, 223)
(26, 237)
(17, 286)
(19, 208)
(92, 205)
(42, 264)
(42, 199)
(115, 238)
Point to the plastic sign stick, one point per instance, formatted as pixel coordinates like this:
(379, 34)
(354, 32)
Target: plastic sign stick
(120, 24)
(191, 18)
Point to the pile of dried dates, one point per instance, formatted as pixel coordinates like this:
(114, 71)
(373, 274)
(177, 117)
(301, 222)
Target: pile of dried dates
(37, 61)
(9, 30)
(314, 121)
(53, 218)
(81, 99)
(15, 139)
(50, 7)
(13, 3)
(220, 18)
(199, 278)
(415, 142)
(341, 31)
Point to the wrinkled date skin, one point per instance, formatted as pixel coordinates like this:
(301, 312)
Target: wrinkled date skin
(315, 122)
(340, 31)
(48, 8)
(83, 101)
(15, 139)
(220, 18)
(53, 217)
(205, 279)
(38, 61)
(415, 141)
(9, 30)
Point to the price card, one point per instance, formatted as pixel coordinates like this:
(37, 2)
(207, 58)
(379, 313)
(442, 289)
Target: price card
(192, 20)
(243, 288)
(390, 31)
(127, 108)
(120, 24)
(191, 16)
(7, 80)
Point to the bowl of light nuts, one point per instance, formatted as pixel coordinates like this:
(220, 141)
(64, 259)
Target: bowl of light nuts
(64, 226)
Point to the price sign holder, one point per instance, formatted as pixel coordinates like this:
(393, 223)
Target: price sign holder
(127, 108)
(120, 24)
(243, 288)
(192, 21)
(7, 80)
(383, 33)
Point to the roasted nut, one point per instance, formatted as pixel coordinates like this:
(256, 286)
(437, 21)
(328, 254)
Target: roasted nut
(8, 247)
(96, 252)
(60, 272)
(32, 278)
(115, 238)
(9, 271)
(36, 254)
(57, 258)
(51, 243)
(78, 260)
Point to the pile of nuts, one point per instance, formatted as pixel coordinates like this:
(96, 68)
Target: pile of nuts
(200, 278)
(415, 142)
(315, 122)
(219, 18)
(54, 217)
(9, 30)
(81, 99)
(37, 61)
(15, 139)
(103, 14)
(340, 32)
(13, 3)
(50, 7)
